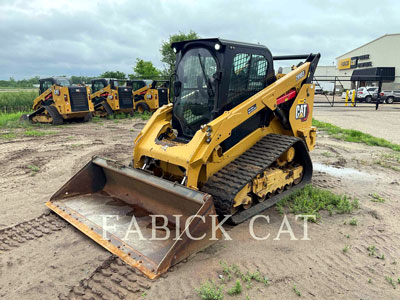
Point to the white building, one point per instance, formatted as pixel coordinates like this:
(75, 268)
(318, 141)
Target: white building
(364, 64)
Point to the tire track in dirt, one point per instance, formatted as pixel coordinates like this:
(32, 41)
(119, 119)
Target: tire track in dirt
(113, 279)
(15, 236)
(319, 270)
(344, 272)
(333, 273)
(10, 166)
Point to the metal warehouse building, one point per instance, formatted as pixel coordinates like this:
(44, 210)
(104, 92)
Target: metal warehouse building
(379, 58)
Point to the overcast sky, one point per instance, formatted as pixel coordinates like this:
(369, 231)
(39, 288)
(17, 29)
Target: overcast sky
(78, 37)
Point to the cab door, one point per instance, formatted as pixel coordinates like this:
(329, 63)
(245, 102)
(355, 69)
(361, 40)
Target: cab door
(97, 86)
(44, 85)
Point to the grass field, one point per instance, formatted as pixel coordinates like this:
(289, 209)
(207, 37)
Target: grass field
(10, 120)
(355, 136)
(16, 89)
(18, 101)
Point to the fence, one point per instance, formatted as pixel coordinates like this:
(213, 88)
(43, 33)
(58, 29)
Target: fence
(335, 95)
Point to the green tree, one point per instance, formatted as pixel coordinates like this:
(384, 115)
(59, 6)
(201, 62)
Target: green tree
(80, 79)
(12, 81)
(168, 55)
(113, 74)
(145, 69)
(34, 80)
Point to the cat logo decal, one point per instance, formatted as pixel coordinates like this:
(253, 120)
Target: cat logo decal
(302, 111)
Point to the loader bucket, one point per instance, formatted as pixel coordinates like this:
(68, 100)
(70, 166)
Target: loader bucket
(111, 204)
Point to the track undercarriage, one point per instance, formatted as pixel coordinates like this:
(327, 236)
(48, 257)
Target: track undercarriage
(46, 114)
(260, 177)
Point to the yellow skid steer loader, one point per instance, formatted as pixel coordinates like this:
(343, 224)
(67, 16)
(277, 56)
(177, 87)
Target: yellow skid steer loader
(149, 97)
(109, 97)
(59, 100)
(234, 142)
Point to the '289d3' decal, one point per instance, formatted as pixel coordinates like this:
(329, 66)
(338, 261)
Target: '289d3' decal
(302, 111)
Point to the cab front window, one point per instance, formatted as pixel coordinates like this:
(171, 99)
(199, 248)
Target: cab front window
(195, 71)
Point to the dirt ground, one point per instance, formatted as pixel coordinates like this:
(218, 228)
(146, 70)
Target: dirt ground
(42, 257)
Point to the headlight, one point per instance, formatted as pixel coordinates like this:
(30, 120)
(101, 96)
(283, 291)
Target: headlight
(148, 96)
(174, 50)
(217, 46)
(57, 92)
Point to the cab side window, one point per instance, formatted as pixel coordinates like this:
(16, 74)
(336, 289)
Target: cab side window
(247, 77)
(138, 85)
(44, 85)
(47, 84)
(97, 86)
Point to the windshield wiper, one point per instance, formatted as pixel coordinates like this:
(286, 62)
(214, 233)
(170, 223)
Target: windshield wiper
(210, 90)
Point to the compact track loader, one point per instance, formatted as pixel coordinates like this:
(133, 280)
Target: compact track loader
(235, 141)
(59, 100)
(109, 97)
(149, 97)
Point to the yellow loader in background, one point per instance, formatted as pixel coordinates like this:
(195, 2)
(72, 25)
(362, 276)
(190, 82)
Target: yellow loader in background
(149, 97)
(109, 96)
(234, 142)
(58, 101)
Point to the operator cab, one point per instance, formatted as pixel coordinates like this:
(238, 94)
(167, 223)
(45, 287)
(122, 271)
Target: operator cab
(213, 76)
(46, 83)
(100, 83)
(136, 84)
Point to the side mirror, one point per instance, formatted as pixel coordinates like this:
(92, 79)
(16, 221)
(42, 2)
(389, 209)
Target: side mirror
(177, 88)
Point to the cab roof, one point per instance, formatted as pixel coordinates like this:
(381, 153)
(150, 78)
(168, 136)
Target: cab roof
(223, 42)
(54, 78)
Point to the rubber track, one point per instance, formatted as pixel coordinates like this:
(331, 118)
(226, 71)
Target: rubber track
(15, 236)
(108, 108)
(54, 114)
(226, 183)
(113, 279)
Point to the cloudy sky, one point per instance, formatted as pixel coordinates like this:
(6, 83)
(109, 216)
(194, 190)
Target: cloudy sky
(79, 37)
